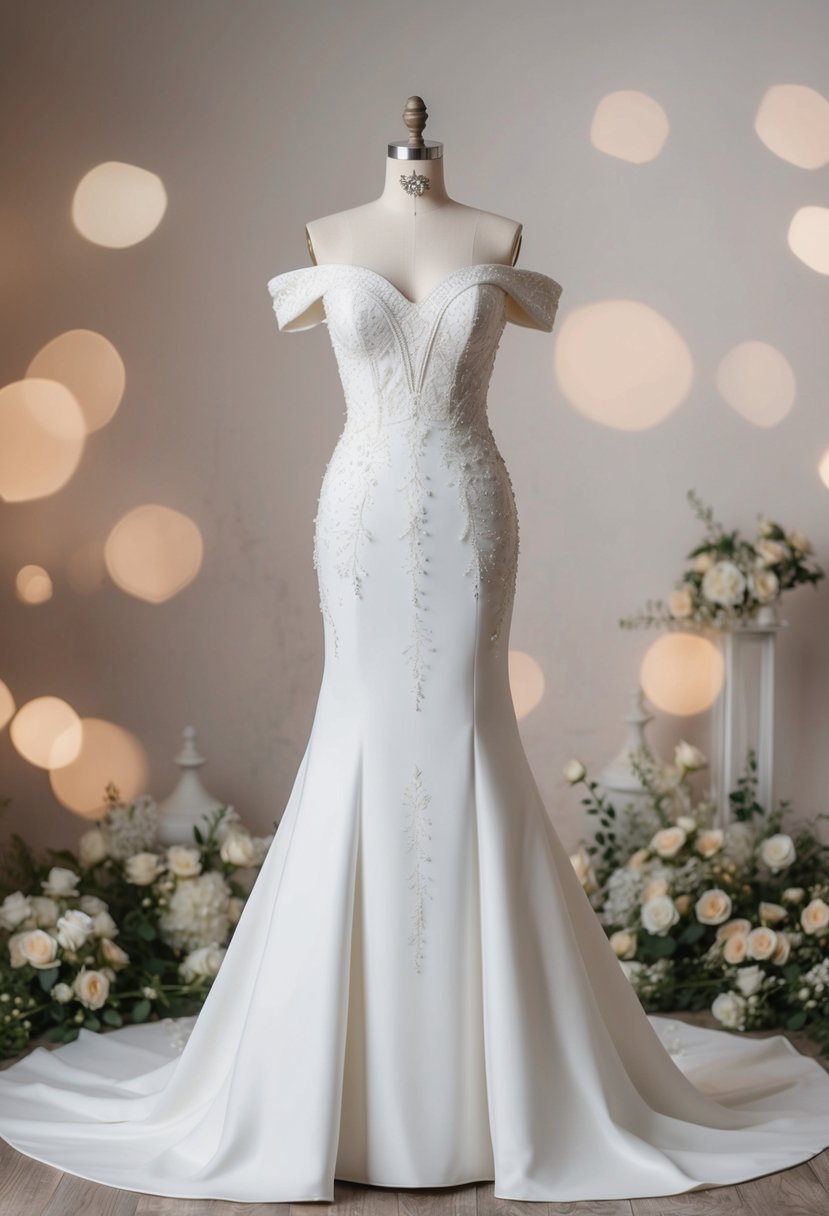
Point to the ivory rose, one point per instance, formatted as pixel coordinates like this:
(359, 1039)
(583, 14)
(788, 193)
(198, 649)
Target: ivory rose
(761, 942)
(183, 861)
(735, 948)
(92, 847)
(770, 914)
(202, 963)
(91, 988)
(74, 929)
(688, 758)
(729, 1008)
(724, 583)
(238, 849)
(750, 979)
(61, 883)
(14, 909)
(713, 907)
(39, 948)
(623, 943)
(815, 916)
(668, 841)
(113, 953)
(143, 868)
(659, 914)
(784, 946)
(709, 842)
(777, 851)
(738, 925)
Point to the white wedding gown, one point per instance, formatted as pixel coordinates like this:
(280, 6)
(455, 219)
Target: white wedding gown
(418, 993)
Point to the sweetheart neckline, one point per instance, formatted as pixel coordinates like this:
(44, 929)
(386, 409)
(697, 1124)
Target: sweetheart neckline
(416, 304)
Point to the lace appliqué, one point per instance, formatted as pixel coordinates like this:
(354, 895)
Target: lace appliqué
(415, 491)
(417, 836)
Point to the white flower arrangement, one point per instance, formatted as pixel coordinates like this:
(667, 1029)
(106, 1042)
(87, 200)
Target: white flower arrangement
(173, 909)
(735, 919)
(728, 580)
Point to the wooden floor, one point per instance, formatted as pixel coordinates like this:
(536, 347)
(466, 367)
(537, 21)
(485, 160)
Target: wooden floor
(28, 1188)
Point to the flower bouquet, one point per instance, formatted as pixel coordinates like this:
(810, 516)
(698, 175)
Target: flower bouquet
(173, 910)
(734, 919)
(729, 579)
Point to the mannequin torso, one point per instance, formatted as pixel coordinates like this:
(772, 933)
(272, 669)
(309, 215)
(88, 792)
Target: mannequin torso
(414, 241)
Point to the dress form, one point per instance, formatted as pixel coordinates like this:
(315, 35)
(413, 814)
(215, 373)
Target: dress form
(414, 240)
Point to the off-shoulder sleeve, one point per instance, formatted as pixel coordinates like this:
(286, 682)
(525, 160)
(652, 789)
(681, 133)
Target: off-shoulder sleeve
(532, 298)
(297, 297)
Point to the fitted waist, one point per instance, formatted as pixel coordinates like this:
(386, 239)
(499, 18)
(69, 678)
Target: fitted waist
(381, 422)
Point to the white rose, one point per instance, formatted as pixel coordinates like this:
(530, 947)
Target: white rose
(777, 851)
(770, 914)
(574, 771)
(45, 911)
(39, 948)
(761, 942)
(16, 955)
(688, 758)
(61, 993)
(687, 823)
(815, 916)
(92, 847)
(681, 602)
(735, 948)
(91, 988)
(92, 904)
(74, 929)
(659, 914)
(182, 861)
(113, 954)
(765, 586)
(103, 925)
(750, 979)
(202, 963)
(237, 848)
(713, 907)
(61, 883)
(668, 841)
(729, 1008)
(709, 842)
(772, 551)
(14, 909)
(623, 943)
(656, 886)
(724, 583)
(799, 542)
(784, 946)
(143, 868)
(794, 895)
(702, 562)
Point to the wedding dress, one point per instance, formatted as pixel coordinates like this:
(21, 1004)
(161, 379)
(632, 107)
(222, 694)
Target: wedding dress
(418, 993)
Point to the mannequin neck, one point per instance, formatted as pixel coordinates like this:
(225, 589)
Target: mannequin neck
(395, 198)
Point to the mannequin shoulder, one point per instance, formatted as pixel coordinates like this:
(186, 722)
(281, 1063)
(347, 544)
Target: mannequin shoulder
(497, 238)
(329, 237)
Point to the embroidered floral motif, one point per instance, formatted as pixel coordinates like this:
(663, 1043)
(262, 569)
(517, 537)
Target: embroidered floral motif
(417, 835)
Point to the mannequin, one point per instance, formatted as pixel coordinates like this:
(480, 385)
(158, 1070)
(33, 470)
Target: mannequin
(414, 239)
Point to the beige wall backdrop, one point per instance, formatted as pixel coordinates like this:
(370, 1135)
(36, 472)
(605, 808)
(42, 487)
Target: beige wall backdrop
(259, 115)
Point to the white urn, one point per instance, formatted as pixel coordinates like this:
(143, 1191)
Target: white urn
(189, 804)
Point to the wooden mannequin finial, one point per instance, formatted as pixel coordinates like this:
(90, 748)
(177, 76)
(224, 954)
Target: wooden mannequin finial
(415, 117)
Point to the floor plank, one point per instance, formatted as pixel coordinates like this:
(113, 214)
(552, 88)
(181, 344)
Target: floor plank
(711, 1201)
(75, 1195)
(795, 1192)
(27, 1185)
(161, 1205)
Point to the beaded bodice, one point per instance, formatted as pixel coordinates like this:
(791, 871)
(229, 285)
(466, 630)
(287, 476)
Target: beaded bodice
(415, 376)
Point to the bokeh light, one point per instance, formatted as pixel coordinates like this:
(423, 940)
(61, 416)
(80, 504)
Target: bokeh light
(823, 468)
(47, 732)
(682, 673)
(622, 363)
(91, 369)
(153, 552)
(758, 382)
(629, 125)
(117, 204)
(793, 122)
(7, 705)
(108, 753)
(808, 237)
(33, 585)
(42, 437)
(526, 682)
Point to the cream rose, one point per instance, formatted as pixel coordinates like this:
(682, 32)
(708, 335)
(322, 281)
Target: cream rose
(687, 823)
(724, 583)
(16, 955)
(238, 849)
(74, 929)
(738, 925)
(103, 925)
(39, 948)
(659, 914)
(794, 895)
(770, 914)
(683, 904)
(61, 883)
(750, 979)
(709, 842)
(765, 586)
(143, 868)
(798, 542)
(623, 943)
(784, 946)
(656, 886)
(637, 859)
(14, 909)
(92, 847)
(729, 1008)
(772, 551)
(113, 954)
(91, 988)
(681, 602)
(668, 841)
(815, 916)
(182, 861)
(735, 948)
(574, 771)
(702, 562)
(777, 851)
(713, 907)
(761, 942)
(581, 863)
(688, 758)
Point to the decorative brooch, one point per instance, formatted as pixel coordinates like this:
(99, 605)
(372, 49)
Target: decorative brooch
(415, 183)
